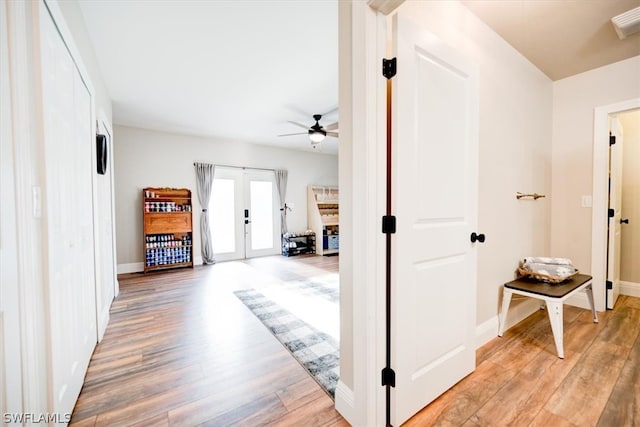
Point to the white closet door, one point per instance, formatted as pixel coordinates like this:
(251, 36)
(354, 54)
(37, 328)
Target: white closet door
(68, 216)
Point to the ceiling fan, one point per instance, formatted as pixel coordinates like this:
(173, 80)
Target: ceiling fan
(317, 132)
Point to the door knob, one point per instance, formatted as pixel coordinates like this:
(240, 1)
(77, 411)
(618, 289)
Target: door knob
(477, 237)
(624, 221)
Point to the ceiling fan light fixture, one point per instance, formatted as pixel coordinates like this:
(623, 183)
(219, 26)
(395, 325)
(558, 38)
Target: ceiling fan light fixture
(627, 23)
(316, 136)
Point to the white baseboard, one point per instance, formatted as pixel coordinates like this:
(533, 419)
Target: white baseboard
(629, 288)
(344, 402)
(133, 267)
(138, 267)
(486, 331)
(519, 310)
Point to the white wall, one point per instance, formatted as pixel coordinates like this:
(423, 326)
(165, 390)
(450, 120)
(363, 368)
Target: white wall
(574, 100)
(75, 21)
(629, 263)
(145, 158)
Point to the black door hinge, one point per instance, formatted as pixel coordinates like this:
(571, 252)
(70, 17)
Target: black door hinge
(611, 213)
(388, 67)
(612, 139)
(388, 377)
(388, 224)
(609, 284)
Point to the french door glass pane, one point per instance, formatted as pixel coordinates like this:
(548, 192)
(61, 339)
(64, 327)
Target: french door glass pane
(222, 216)
(261, 214)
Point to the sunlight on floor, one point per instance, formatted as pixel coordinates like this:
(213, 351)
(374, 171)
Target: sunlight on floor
(319, 312)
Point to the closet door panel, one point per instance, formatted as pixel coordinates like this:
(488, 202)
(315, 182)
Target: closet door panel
(68, 216)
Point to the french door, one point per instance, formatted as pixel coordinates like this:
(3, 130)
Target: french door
(244, 214)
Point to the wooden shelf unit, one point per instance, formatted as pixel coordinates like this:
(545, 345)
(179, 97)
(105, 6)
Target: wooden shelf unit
(323, 215)
(167, 227)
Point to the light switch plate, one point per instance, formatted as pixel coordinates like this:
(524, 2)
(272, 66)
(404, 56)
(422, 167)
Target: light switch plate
(587, 201)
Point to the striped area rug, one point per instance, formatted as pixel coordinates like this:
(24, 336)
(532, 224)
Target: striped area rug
(316, 351)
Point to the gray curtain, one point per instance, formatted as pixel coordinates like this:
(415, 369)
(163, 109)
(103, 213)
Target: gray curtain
(204, 179)
(281, 185)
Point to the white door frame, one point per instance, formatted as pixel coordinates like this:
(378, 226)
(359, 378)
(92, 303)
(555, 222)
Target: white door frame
(104, 126)
(599, 217)
(10, 349)
(362, 155)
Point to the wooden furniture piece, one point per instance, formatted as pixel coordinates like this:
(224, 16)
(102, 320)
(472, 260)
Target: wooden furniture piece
(323, 210)
(553, 296)
(298, 244)
(167, 228)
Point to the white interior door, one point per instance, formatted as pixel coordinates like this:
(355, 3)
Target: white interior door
(68, 213)
(615, 206)
(435, 111)
(244, 214)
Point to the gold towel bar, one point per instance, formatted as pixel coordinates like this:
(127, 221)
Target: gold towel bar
(534, 196)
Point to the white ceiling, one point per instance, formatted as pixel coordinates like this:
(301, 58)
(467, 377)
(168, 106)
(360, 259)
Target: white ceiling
(560, 37)
(237, 70)
(240, 69)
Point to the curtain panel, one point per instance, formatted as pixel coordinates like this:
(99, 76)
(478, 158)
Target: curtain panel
(281, 185)
(204, 180)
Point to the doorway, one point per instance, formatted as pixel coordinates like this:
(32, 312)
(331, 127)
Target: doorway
(600, 219)
(623, 275)
(244, 213)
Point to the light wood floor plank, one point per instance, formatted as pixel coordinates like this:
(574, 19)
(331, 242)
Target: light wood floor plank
(530, 385)
(182, 350)
(585, 391)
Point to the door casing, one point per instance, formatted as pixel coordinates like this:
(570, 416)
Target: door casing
(601, 195)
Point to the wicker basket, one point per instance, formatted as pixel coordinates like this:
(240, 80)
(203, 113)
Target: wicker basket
(545, 277)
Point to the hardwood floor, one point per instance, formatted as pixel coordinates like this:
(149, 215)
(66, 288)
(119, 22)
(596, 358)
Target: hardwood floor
(181, 349)
(519, 380)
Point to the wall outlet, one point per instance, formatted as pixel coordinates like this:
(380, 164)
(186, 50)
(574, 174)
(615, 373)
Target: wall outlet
(587, 201)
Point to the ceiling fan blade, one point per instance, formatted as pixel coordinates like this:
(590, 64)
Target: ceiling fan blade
(332, 126)
(299, 124)
(333, 134)
(331, 111)
(290, 134)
